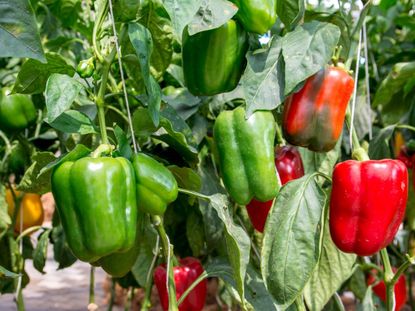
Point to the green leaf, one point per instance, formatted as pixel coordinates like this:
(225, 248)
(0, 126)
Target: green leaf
(367, 303)
(62, 254)
(379, 146)
(33, 75)
(41, 250)
(32, 182)
(61, 91)
(256, 293)
(292, 239)
(393, 84)
(334, 304)
(318, 161)
(181, 13)
(195, 233)
(333, 269)
(162, 34)
(237, 241)
(263, 80)
(78, 152)
(186, 178)
(5, 220)
(306, 50)
(212, 14)
(4, 273)
(19, 36)
(290, 11)
(73, 121)
(177, 133)
(140, 38)
(123, 143)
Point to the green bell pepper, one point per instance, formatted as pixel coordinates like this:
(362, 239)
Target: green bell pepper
(256, 15)
(156, 185)
(96, 200)
(246, 154)
(17, 111)
(214, 60)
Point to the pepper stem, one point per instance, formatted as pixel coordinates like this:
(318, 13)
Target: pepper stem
(280, 139)
(388, 279)
(168, 254)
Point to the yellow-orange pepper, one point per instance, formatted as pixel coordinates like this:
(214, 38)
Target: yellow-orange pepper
(30, 206)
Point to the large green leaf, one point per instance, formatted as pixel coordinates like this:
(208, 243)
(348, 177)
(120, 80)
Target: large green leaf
(41, 251)
(5, 220)
(181, 13)
(33, 75)
(292, 239)
(290, 11)
(238, 244)
(333, 269)
(61, 91)
(141, 39)
(263, 80)
(19, 35)
(212, 14)
(306, 50)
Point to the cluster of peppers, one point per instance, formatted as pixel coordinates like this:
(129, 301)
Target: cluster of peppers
(209, 71)
(368, 197)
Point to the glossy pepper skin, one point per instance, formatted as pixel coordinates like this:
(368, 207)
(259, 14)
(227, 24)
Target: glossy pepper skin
(30, 207)
(289, 166)
(367, 204)
(314, 116)
(185, 274)
(17, 111)
(96, 200)
(214, 60)
(119, 264)
(256, 15)
(246, 154)
(399, 290)
(156, 185)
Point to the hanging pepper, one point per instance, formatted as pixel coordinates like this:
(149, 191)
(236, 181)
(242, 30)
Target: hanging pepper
(30, 207)
(314, 116)
(256, 15)
(367, 204)
(246, 154)
(214, 60)
(289, 166)
(156, 185)
(96, 200)
(17, 111)
(380, 289)
(185, 274)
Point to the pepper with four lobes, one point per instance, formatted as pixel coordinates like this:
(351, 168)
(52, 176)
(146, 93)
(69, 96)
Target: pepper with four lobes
(185, 274)
(289, 166)
(256, 15)
(214, 60)
(314, 116)
(380, 289)
(17, 111)
(31, 209)
(96, 200)
(246, 154)
(367, 204)
(156, 185)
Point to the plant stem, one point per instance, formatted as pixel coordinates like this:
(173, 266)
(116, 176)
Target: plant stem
(195, 194)
(201, 277)
(388, 277)
(92, 285)
(100, 99)
(168, 254)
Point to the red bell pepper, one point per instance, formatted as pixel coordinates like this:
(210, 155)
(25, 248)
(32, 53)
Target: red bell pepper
(314, 116)
(405, 157)
(380, 289)
(367, 204)
(289, 166)
(185, 274)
